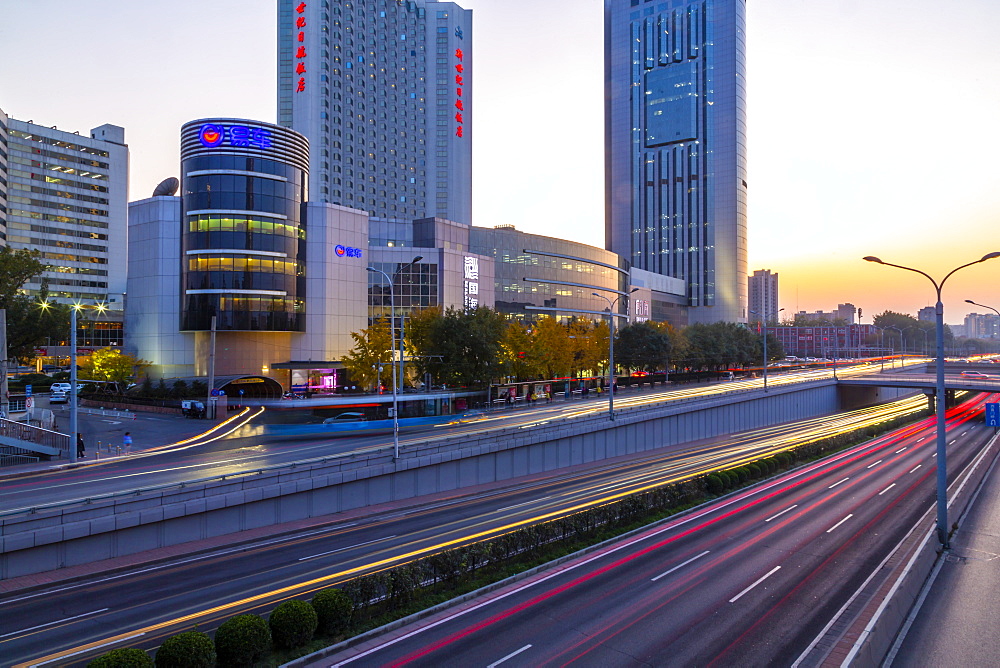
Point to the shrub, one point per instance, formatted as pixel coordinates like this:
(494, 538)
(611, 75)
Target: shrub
(179, 389)
(754, 469)
(186, 650)
(333, 610)
(742, 473)
(241, 640)
(715, 484)
(125, 657)
(292, 624)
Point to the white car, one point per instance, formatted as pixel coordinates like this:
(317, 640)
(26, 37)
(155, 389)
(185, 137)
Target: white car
(58, 397)
(60, 387)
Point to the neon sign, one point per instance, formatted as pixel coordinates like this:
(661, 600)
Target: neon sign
(459, 86)
(471, 282)
(300, 52)
(212, 135)
(347, 251)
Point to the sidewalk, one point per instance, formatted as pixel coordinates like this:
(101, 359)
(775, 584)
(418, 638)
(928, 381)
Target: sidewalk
(956, 623)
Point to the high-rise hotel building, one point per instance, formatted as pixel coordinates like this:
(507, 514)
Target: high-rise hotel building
(762, 287)
(65, 195)
(383, 91)
(675, 145)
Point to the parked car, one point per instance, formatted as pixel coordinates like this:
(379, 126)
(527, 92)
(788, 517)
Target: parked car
(58, 397)
(60, 387)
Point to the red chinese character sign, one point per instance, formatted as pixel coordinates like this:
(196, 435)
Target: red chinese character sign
(300, 53)
(459, 88)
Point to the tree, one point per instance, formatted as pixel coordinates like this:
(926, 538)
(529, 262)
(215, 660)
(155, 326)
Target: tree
(552, 353)
(643, 345)
(464, 347)
(588, 344)
(110, 364)
(373, 346)
(419, 338)
(17, 267)
(30, 322)
(517, 346)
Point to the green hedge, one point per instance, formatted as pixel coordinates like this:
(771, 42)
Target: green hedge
(242, 640)
(192, 649)
(333, 610)
(292, 624)
(125, 657)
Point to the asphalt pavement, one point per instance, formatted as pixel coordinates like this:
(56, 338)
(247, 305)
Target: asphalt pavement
(104, 431)
(956, 624)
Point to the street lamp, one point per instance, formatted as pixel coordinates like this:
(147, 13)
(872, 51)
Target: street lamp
(611, 349)
(765, 344)
(893, 357)
(922, 331)
(942, 469)
(74, 408)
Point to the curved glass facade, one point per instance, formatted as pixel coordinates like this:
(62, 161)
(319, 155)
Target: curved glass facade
(244, 188)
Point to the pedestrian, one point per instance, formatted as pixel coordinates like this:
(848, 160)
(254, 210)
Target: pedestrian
(127, 442)
(80, 447)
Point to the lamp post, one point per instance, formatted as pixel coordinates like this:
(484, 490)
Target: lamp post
(402, 322)
(765, 344)
(900, 342)
(942, 468)
(74, 408)
(392, 334)
(922, 331)
(611, 349)
(969, 301)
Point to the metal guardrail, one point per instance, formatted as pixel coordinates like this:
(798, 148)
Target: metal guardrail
(32, 434)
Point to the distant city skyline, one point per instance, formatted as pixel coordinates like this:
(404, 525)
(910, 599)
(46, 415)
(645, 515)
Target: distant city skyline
(863, 140)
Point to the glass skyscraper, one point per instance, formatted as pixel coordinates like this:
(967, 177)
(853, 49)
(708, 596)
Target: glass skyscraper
(383, 91)
(675, 145)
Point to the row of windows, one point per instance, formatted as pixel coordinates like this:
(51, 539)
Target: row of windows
(242, 201)
(56, 142)
(65, 194)
(271, 243)
(77, 283)
(62, 257)
(231, 280)
(243, 184)
(245, 265)
(244, 164)
(28, 151)
(208, 223)
(53, 243)
(38, 176)
(262, 314)
(43, 229)
(59, 219)
(55, 167)
(77, 270)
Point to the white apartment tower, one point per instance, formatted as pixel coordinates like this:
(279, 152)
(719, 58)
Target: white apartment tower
(762, 288)
(383, 91)
(65, 195)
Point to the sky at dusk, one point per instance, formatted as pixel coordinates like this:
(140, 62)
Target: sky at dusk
(873, 124)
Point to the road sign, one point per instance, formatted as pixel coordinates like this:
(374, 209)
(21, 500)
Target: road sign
(27, 390)
(993, 415)
(29, 403)
(216, 393)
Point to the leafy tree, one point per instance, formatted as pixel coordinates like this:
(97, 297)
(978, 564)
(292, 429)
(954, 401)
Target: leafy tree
(333, 610)
(372, 346)
(30, 322)
(112, 365)
(643, 346)
(517, 346)
(552, 353)
(293, 623)
(588, 345)
(464, 347)
(419, 338)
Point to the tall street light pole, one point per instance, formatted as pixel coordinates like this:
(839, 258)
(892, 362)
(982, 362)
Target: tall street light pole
(765, 344)
(611, 349)
(402, 322)
(392, 334)
(942, 468)
(900, 344)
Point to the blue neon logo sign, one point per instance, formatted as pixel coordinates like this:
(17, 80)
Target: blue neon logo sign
(212, 135)
(347, 251)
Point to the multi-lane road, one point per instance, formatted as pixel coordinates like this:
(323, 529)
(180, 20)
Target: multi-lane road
(78, 620)
(214, 457)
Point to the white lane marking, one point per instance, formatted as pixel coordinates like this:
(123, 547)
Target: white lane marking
(666, 573)
(764, 577)
(875, 464)
(934, 455)
(341, 549)
(921, 438)
(915, 468)
(838, 482)
(839, 523)
(526, 503)
(202, 557)
(952, 441)
(900, 450)
(964, 432)
(509, 656)
(90, 649)
(58, 621)
(781, 513)
(887, 489)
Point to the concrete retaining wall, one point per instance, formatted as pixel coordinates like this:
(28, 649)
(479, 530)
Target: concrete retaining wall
(103, 529)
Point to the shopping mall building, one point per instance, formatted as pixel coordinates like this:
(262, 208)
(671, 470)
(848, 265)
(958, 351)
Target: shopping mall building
(243, 257)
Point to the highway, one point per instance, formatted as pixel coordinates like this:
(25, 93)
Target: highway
(216, 457)
(747, 580)
(144, 606)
